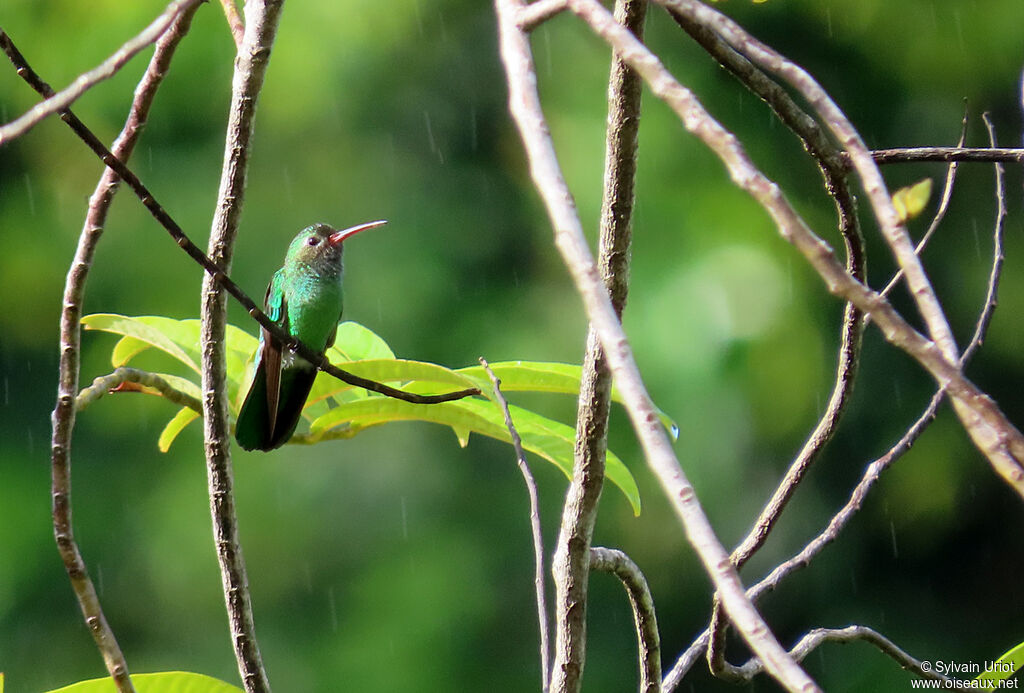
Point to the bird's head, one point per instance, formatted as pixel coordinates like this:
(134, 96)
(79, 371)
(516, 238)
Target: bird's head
(319, 246)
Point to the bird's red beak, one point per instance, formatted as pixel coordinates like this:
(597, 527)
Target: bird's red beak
(337, 237)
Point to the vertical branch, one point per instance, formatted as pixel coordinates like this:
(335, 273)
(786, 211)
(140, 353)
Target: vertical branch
(250, 68)
(571, 564)
(524, 105)
(538, 539)
(70, 350)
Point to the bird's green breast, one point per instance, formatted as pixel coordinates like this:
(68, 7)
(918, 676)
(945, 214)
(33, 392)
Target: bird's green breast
(314, 305)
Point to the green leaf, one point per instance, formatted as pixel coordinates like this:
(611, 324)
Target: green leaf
(543, 376)
(353, 342)
(911, 200)
(163, 682)
(165, 334)
(1002, 669)
(178, 338)
(183, 418)
(550, 439)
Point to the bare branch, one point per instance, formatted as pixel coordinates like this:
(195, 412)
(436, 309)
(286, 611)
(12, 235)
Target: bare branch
(991, 431)
(820, 636)
(235, 23)
(874, 470)
(536, 13)
(571, 563)
(987, 426)
(193, 251)
(648, 640)
(524, 104)
(947, 154)
(538, 539)
(107, 383)
(107, 69)
(262, 17)
(833, 171)
(70, 345)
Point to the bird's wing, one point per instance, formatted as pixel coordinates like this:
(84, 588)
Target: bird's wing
(277, 310)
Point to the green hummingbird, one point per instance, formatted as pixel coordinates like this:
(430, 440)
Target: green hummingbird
(305, 299)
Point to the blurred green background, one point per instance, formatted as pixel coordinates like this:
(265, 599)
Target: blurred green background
(398, 561)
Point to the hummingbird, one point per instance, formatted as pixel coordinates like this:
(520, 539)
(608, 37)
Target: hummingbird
(305, 299)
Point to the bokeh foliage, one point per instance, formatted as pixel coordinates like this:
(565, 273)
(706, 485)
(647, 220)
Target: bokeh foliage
(411, 569)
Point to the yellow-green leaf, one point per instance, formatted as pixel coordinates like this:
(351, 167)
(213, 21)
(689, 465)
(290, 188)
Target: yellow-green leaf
(911, 200)
(1002, 669)
(183, 418)
(550, 439)
(163, 682)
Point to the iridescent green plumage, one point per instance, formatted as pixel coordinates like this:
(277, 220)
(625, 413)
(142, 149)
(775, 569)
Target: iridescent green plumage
(305, 299)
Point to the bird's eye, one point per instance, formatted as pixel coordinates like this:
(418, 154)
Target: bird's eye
(313, 240)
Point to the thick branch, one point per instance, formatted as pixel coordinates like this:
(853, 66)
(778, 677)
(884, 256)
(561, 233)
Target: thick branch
(59, 101)
(535, 528)
(571, 562)
(644, 618)
(524, 104)
(262, 18)
(70, 347)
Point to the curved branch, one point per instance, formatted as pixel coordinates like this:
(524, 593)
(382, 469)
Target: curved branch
(524, 104)
(820, 636)
(571, 562)
(648, 641)
(59, 101)
(69, 367)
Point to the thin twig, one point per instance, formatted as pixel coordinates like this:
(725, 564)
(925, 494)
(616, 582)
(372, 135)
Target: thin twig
(571, 563)
(989, 429)
(874, 470)
(644, 617)
(820, 636)
(235, 23)
(535, 529)
(107, 69)
(106, 383)
(262, 18)
(940, 213)
(906, 155)
(185, 243)
(70, 348)
(524, 104)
